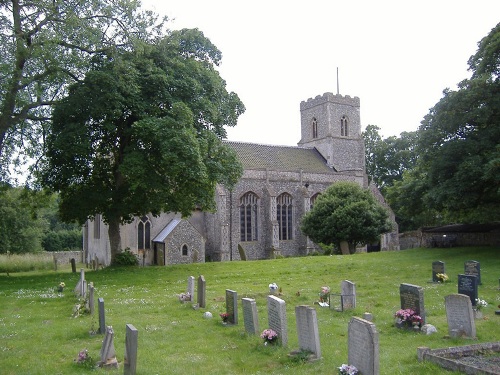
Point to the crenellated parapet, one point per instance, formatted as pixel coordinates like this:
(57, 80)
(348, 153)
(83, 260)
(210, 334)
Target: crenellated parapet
(329, 97)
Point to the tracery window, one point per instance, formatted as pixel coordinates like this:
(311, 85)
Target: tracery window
(343, 126)
(284, 213)
(248, 217)
(144, 234)
(314, 127)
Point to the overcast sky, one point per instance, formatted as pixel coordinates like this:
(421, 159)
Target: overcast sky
(396, 56)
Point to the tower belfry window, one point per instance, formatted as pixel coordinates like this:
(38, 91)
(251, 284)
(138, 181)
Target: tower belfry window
(314, 127)
(343, 126)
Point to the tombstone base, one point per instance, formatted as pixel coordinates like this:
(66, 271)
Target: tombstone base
(305, 356)
(110, 363)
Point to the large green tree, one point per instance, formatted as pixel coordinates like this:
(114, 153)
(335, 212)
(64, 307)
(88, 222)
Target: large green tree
(46, 44)
(346, 212)
(142, 133)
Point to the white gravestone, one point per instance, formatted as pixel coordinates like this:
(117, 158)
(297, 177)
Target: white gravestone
(276, 314)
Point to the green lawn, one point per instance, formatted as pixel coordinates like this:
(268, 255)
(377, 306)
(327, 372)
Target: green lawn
(39, 336)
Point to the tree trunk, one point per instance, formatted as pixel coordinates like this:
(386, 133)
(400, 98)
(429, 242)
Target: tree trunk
(344, 247)
(115, 244)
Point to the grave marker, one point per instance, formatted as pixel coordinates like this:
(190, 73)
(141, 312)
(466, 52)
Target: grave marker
(73, 265)
(102, 319)
(472, 267)
(201, 291)
(276, 315)
(363, 346)
(412, 297)
(307, 330)
(460, 316)
(348, 295)
(130, 359)
(91, 298)
(108, 354)
(80, 285)
(437, 267)
(250, 318)
(467, 284)
(190, 287)
(232, 306)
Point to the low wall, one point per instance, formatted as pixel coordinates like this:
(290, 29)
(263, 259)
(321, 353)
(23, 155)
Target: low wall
(64, 256)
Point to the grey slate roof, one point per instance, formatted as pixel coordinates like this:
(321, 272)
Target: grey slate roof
(166, 231)
(279, 158)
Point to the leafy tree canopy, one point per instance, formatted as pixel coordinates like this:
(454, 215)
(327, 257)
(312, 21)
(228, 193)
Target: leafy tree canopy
(346, 212)
(142, 133)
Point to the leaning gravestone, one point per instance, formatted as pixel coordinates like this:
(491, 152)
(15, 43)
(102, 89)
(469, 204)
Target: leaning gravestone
(108, 354)
(130, 359)
(250, 317)
(307, 330)
(190, 287)
(232, 306)
(348, 295)
(276, 315)
(460, 316)
(363, 346)
(412, 297)
(102, 318)
(202, 285)
(472, 267)
(467, 284)
(437, 267)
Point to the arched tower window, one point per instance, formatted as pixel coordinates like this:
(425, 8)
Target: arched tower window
(184, 250)
(314, 124)
(343, 126)
(144, 234)
(284, 213)
(248, 217)
(313, 199)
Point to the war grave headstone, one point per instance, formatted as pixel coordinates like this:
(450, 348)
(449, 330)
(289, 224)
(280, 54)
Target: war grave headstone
(190, 287)
(412, 297)
(201, 291)
(467, 284)
(437, 267)
(460, 316)
(130, 359)
(250, 318)
(102, 318)
(276, 315)
(472, 267)
(108, 354)
(363, 346)
(307, 330)
(232, 306)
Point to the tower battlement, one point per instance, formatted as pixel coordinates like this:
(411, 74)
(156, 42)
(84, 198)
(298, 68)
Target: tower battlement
(332, 98)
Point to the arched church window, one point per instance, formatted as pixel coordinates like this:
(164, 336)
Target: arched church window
(144, 234)
(343, 126)
(313, 199)
(184, 250)
(314, 127)
(248, 217)
(284, 213)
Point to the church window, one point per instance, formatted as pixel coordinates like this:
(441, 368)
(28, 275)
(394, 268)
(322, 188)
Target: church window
(313, 199)
(284, 209)
(184, 250)
(343, 126)
(144, 234)
(97, 226)
(248, 217)
(314, 128)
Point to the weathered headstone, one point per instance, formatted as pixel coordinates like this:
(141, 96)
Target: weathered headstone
(437, 267)
(73, 265)
(460, 316)
(241, 250)
(130, 359)
(412, 297)
(55, 262)
(232, 306)
(363, 346)
(108, 354)
(276, 315)
(348, 295)
(472, 267)
(307, 330)
(102, 318)
(201, 291)
(190, 287)
(467, 284)
(91, 298)
(250, 318)
(80, 286)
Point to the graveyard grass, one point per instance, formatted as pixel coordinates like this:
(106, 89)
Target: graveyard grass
(39, 336)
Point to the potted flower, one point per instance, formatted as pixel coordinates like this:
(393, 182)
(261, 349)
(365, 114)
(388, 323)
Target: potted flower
(324, 294)
(273, 288)
(185, 297)
(408, 318)
(60, 287)
(348, 370)
(270, 336)
(480, 304)
(225, 317)
(442, 277)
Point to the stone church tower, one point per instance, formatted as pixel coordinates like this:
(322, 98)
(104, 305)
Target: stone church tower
(331, 124)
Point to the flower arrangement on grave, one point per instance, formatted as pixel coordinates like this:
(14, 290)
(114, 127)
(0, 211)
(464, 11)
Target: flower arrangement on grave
(270, 336)
(225, 317)
(442, 277)
(324, 294)
(480, 303)
(185, 297)
(348, 370)
(408, 318)
(273, 288)
(60, 287)
(85, 360)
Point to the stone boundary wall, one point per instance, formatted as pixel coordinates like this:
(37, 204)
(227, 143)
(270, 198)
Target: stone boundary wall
(64, 256)
(409, 240)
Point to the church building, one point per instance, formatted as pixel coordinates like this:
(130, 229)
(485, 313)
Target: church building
(260, 217)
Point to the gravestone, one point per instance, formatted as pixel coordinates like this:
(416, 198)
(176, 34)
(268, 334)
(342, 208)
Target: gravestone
(363, 346)
(55, 262)
(241, 250)
(467, 284)
(108, 354)
(102, 318)
(190, 287)
(460, 316)
(250, 318)
(130, 359)
(307, 330)
(73, 265)
(412, 297)
(348, 295)
(80, 287)
(437, 267)
(91, 298)
(472, 267)
(232, 306)
(201, 291)
(276, 315)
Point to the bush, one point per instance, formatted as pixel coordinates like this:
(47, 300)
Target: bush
(126, 258)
